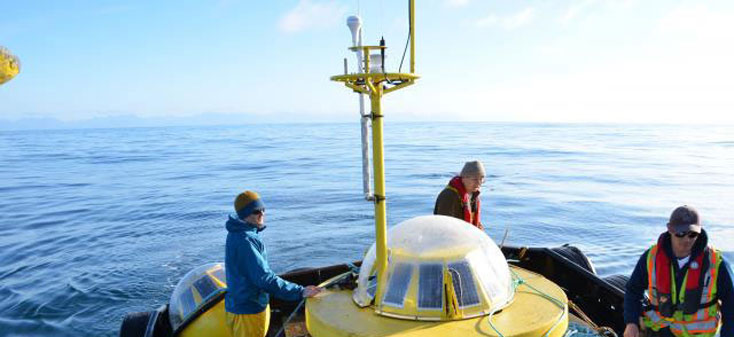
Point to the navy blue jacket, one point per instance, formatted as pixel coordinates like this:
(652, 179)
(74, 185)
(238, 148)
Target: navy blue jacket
(638, 284)
(249, 278)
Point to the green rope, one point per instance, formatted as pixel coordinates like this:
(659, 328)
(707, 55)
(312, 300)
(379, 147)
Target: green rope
(517, 281)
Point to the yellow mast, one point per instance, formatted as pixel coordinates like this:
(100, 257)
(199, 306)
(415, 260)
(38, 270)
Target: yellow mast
(375, 85)
(412, 36)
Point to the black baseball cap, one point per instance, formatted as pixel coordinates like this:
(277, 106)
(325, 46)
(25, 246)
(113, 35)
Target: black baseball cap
(685, 218)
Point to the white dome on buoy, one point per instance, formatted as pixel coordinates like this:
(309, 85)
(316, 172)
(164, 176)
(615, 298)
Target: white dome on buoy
(439, 268)
(196, 302)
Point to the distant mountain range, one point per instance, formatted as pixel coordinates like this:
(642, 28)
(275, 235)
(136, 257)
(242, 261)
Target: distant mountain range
(125, 121)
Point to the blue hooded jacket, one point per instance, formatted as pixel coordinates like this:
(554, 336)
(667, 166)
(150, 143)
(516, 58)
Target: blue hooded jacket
(249, 278)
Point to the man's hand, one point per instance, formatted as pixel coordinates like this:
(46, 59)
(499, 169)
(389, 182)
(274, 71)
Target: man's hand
(631, 330)
(311, 291)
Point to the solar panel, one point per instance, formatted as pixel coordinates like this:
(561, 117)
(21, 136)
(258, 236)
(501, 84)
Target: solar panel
(430, 286)
(464, 286)
(398, 286)
(205, 286)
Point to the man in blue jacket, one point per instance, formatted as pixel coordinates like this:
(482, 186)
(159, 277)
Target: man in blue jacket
(249, 278)
(687, 284)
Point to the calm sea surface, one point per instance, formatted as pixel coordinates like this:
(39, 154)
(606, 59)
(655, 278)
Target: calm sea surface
(97, 223)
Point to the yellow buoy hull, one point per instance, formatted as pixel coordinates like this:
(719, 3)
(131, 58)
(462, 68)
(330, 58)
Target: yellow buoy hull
(212, 323)
(530, 315)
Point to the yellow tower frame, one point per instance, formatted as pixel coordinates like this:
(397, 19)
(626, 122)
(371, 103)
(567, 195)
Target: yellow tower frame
(375, 85)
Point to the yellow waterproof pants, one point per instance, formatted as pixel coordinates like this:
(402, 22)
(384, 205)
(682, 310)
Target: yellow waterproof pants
(249, 325)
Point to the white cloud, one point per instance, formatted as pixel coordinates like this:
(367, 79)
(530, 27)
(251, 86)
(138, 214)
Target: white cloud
(509, 22)
(456, 3)
(574, 10)
(674, 70)
(617, 94)
(310, 14)
(640, 88)
(697, 20)
(698, 38)
(489, 20)
(678, 70)
(577, 10)
(520, 19)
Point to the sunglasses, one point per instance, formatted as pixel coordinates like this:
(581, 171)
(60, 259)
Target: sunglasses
(690, 234)
(258, 212)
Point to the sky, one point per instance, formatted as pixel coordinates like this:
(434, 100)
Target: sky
(229, 61)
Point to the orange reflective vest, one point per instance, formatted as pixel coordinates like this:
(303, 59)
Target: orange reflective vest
(692, 310)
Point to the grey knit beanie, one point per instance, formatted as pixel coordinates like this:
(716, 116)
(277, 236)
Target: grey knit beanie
(472, 168)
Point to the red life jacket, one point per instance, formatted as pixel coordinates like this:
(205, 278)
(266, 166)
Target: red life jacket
(456, 185)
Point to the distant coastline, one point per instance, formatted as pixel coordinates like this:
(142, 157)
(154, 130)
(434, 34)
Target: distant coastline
(222, 119)
(133, 121)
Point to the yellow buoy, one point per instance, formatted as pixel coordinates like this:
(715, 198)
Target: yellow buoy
(529, 315)
(444, 278)
(9, 65)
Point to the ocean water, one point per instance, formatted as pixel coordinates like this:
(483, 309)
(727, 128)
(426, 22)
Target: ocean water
(98, 223)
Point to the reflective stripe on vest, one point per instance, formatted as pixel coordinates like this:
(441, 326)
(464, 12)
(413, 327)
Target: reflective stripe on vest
(705, 321)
